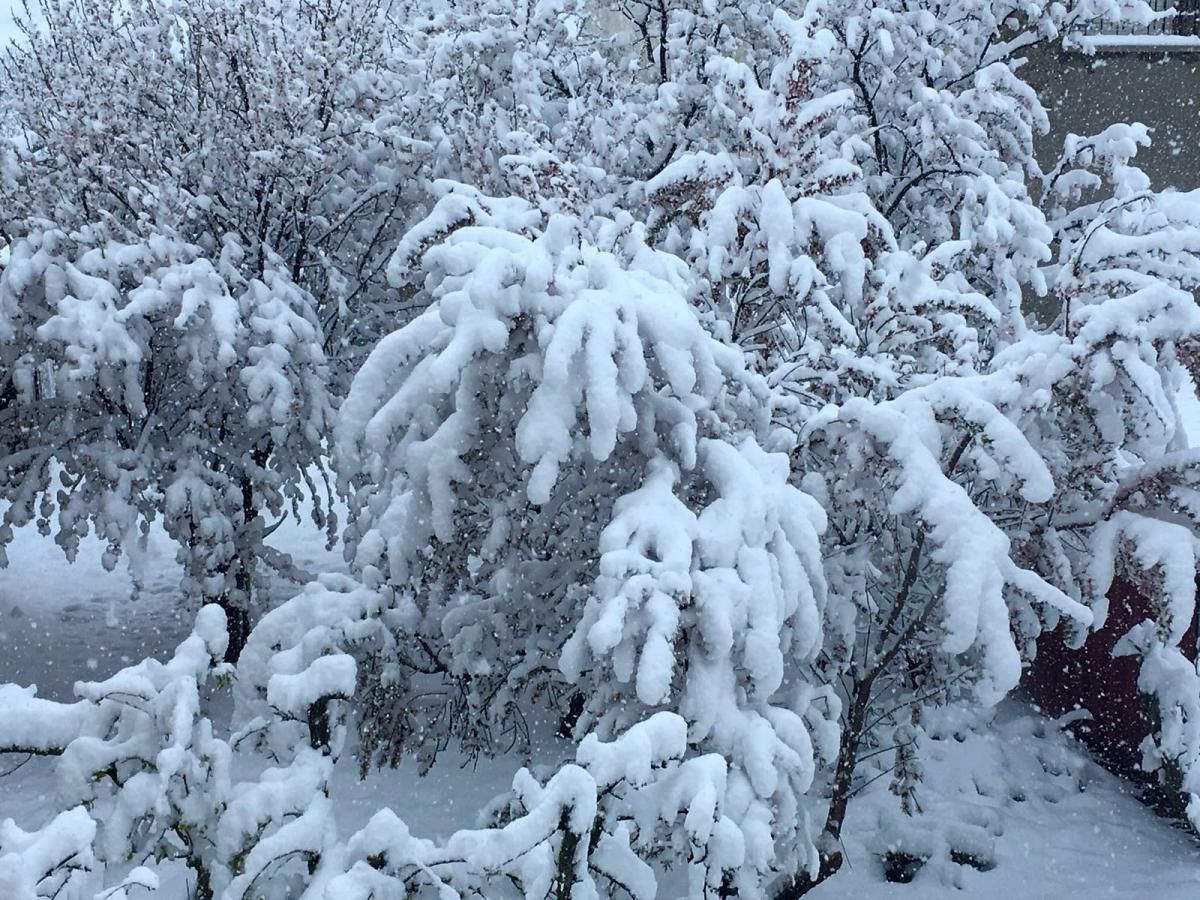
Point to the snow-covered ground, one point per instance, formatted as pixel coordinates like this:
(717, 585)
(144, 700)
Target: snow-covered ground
(1018, 798)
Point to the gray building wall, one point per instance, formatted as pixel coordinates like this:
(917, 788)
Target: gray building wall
(1084, 95)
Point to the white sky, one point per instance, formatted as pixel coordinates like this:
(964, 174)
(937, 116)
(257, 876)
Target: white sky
(6, 8)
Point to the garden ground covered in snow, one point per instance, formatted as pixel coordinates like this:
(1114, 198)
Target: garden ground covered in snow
(718, 403)
(1038, 818)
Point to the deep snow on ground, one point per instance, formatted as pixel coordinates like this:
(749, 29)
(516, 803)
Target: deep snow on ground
(1012, 791)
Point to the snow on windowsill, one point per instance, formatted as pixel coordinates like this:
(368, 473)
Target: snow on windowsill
(1144, 42)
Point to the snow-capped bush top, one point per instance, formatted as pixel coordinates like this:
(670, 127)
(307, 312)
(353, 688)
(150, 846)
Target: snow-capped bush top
(606, 349)
(147, 367)
(33, 864)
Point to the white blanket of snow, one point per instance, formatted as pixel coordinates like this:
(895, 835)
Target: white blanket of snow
(1056, 825)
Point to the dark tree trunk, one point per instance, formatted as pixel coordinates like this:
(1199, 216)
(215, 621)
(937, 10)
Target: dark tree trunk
(237, 602)
(237, 621)
(564, 877)
(900, 634)
(570, 718)
(843, 781)
(203, 889)
(320, 728)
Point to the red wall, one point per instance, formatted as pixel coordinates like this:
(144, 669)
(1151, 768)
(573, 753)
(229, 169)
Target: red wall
(1091, 678)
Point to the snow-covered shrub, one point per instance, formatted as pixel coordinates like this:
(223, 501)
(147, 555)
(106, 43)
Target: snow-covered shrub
(943, 124)
(500, 427)
(37, 865)
(870, 243)
(146, 379)
(302, 657)
(1129, 503)
(708, 612)
(266, 120)
(557, 493)
(582, 833)
(496, 91)
(568, 472)
(135, 751)
(792, 259)
(146, 777)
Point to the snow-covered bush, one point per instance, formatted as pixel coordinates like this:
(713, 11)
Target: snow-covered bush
(145, 380)
(146, 777)
(1126, 281)
(502, 425)
(943, 123)
(497, 90)
(302, 657)
(595, 826)
(870, 243)
(713, 423)
(135, 752)
(263, 120)
(583, 833)
(559, 503)
(37, 865)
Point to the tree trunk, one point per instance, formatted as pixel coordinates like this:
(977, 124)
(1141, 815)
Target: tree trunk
(570, 717)
(249, 539)
(831, 858)
(236, 603)
(237, 621)
(320, 728)
(564, 877)
(204, 889)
